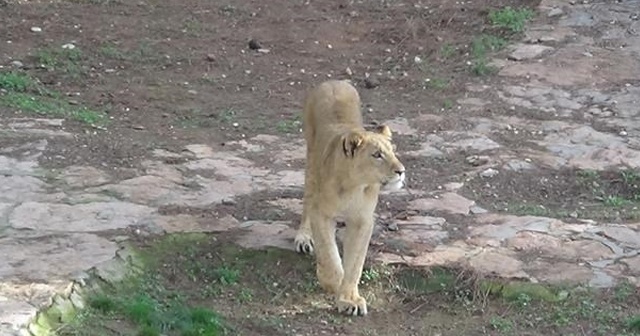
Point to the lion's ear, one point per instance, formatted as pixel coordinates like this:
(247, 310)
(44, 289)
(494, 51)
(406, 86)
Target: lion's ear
(351, 142)
(384, 130)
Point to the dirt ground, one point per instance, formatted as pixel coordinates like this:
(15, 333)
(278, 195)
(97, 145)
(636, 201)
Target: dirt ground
(172, 73)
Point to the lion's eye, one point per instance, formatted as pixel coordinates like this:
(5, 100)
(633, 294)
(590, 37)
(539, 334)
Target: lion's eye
(377, 155)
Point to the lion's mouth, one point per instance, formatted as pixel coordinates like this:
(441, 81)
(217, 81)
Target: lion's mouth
(393, 184)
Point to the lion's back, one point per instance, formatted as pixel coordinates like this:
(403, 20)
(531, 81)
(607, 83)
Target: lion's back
(332, 104)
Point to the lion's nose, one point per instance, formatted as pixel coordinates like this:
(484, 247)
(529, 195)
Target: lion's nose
(399, 171)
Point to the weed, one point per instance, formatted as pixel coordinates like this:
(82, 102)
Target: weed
(510, 18)
(370, 275)
(227, 115)
(633, 323)
(437, 83)
(446, 51)
(289, 125)
(193, 27)
(102, 303)
(501, 324)
(588, 174)
(629, 176)
(615, 201)
(531, 210)
(227, 275)
(246, 295)
(110, 51)
(623, 291)
(485, 44)
(447, 104)
(480, 49)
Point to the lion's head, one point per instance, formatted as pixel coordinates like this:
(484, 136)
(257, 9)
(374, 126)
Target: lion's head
(373, 157)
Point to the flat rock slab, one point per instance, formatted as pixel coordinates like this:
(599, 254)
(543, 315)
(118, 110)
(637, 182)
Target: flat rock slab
(51, 258)
(90, 217)
(528, 51)
(13, 314)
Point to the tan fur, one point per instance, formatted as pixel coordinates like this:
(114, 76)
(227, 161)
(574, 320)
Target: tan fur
(345, 169)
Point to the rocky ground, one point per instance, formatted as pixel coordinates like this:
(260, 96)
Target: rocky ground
(528, 171)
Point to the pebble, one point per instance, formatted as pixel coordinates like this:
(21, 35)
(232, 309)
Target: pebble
(417, 60)
(17, 64)
(348, 72)
(623, 133)
(211, 57)
(476, 160)
(371, 83)
(69, 46)
(254, 44)
(555, 12)
(489, 173)
(36, 29)
(476, 210)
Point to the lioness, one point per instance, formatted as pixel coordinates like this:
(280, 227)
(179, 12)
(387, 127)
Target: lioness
(346, 166)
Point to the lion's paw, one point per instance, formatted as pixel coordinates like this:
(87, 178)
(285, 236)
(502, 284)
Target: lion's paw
(355, 307)
(304, 243)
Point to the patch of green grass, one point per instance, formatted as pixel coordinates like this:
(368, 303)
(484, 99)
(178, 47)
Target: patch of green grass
(511, 19)
(24, 94)
(150, 309)
(419, 282)
(15, 81)
(289, 125)
(521, 293)
(64, 59)
(47, 106)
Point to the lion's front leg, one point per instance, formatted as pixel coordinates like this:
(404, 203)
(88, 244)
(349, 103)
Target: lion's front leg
(328, 263)
(304, 240)
(358, 235)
